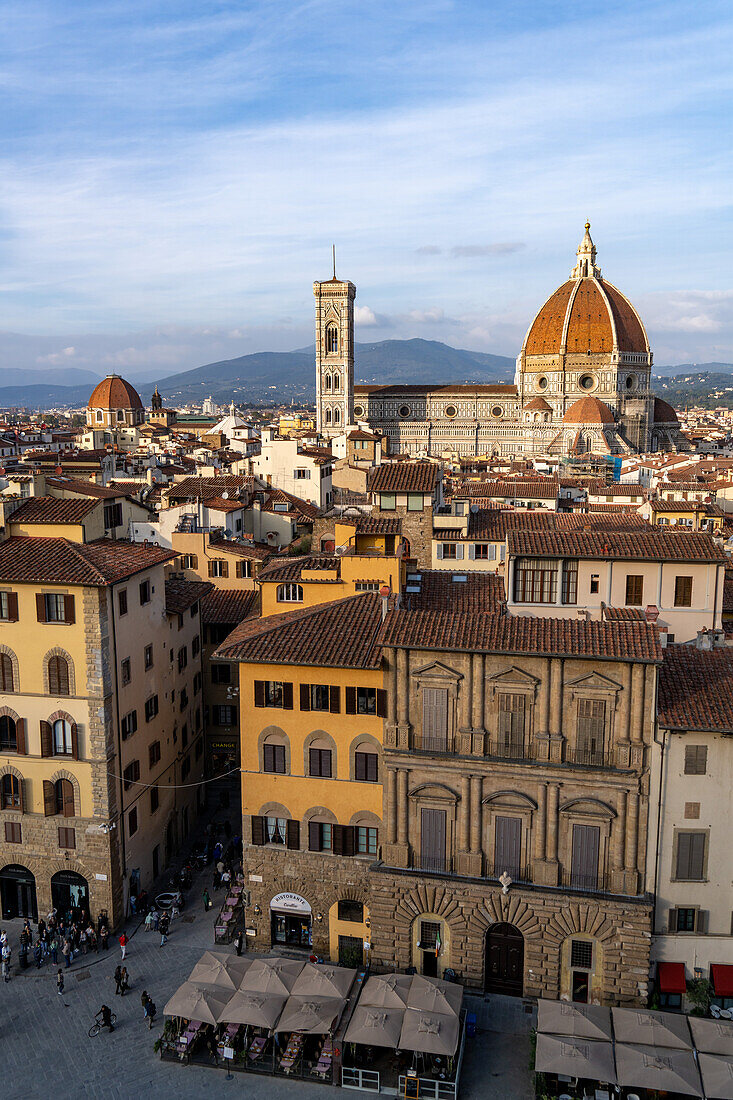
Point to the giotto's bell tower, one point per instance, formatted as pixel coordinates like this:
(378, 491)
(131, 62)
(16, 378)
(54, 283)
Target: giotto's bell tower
(334, 355)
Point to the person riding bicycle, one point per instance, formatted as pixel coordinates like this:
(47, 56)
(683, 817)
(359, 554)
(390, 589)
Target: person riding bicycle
(106, 1013)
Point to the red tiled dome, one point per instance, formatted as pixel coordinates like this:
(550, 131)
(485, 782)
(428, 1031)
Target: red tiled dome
(114, 392)
(537, 404)
(594, 316)
(588, 410)
(664, 413)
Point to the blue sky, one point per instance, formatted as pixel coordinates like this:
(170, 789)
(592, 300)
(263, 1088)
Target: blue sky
(172, 175)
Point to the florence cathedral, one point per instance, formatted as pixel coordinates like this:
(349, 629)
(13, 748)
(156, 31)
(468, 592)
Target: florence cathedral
(581, 384)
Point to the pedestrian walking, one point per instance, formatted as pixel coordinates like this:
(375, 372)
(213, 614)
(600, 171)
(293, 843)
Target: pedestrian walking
(156, 919)
(66, 952)
(207, 901)
(149, 921)
(54, 949)
(123, 944)
(164, 926)
(6, 962)
(239, 942)
(150, 1011)
(104, 936)
(60, 982)
(38, 954)
(144, 1000)
(124, 981)
(118, 978)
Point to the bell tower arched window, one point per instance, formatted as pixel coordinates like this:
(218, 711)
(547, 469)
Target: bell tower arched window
(327, 382)
(332, 340)
(328, 416)
(337, 416)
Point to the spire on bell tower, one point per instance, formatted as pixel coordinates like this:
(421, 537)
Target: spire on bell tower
(586, 265)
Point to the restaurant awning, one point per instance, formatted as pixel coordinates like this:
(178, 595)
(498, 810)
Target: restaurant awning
(575, 1057)
(430, 1032)
(658, 1029)
(717, 1075)
(581, 1021)
(195, 1002)
(256, 1009)
(651, 1067)
(311, 1015)
(386, 990)
(671, 977)
(712, 1036)
(323, 981)
(722, 975)
(219, 968)
(375, 1027)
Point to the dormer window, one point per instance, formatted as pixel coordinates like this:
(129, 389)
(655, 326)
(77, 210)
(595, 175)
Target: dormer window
(332, 340)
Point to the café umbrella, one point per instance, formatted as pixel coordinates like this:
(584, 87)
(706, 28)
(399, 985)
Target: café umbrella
(429, 1032)
(375, 1027)
(198, 1002)
(218, 968)
(575, 1057)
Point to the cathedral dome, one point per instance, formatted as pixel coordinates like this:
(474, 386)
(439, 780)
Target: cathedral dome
(586, 315)
(664, 413)
(588, 410)
(114, 392)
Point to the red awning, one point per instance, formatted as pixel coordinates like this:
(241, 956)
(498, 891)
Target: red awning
(722, 975)
(671, 977)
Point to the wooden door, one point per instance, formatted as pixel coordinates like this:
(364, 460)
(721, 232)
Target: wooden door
(505, 960)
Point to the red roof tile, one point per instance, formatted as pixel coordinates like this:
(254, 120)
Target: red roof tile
(228, 605)
(181, 594)
(696, 688)
(53, 510)
(26, 559)
(403, 477)
(653, 544)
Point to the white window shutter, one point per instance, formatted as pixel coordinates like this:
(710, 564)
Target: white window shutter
(307, 473)
(440, 551)
(492, 552)
(472, 551)
(503, 551)
(459, 551)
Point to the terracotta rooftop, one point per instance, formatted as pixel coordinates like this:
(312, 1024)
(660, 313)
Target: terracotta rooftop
(304, 511)
(450, 590)
(201, 488)
(652, 544)
(493, 524)
(87, 488)
(403, 477)
(728, 591)
(460, 632)
(624, 614)
(181, 594)
(26, 559)
(696, 689)
(243, 548)
(332, 635)
(228, 605)
(379, 525)
(114, 392)
(537, 488)
(290, 569)
(53, 510)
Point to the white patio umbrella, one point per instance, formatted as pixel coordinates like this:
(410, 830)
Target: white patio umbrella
(375, 1027)
(575, 1057)
(198, 1002)
(218, 968)
(659, 1029)
(323, 981)
(662, 1068)
(430, 1032)
(311, 1015)
(271, 975)
(434, 995)
(256, 1009)
(716, 1071)
(386, 990)
(582, 1021)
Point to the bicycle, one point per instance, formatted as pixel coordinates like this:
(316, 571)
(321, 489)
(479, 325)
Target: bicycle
(97, 1026)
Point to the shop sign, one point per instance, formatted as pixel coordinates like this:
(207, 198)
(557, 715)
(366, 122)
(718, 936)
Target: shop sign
(290, 903)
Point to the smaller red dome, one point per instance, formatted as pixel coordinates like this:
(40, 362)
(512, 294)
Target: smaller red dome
(664, 413)
(114, 392)
(588, 410)
(537, 404)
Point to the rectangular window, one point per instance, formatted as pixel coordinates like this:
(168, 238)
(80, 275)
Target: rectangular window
(154, 753)
(584, 859)
(434, 720)
(481, 551)
(432, 840)
(685, 920)
(195, 647)
(683, 591)
(511, 725)
(9, 607)
(12, 832)
(225, 715)
(148, 656)
(387, 502)
(351, 910)
(696, 759)
(591, 730)
(366, 840)
(55, 608)
(185, 767)
(429, 933)
(414, 502)
(274, 693)
(132, 821)
(197, 681)
(275, 830)
(131, 774)
(151, 708)
(320, 836)
(221, 674)
(570, 581)
(320, 697)
(144, 593)
(128, 724)
(301, 474)
(535, 581)
(218, 568)
(182, 658)
(367, 586)
(581, 954)
(154, 799)
(244, 569)
(366, 700)
(67, 838)
(126, 673)
(366, 767)
(690, 862)
(508, 846)
(594, 582)
(184, 700)
(273, 759)
(634, 590)
(112, 516)
(184, 735)
(319, 763)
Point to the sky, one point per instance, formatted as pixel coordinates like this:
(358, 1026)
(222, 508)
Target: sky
(173, 174)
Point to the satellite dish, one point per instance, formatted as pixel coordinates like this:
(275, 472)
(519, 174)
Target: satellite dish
(225, 495)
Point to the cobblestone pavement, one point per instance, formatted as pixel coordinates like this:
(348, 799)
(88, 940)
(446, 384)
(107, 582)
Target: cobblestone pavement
(45, 1050)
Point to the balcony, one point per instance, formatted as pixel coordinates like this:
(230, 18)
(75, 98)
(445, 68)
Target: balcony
(435, 865)
(593, 758)
(420, 742)
(589, 883)
(510, 750)
(516, 874)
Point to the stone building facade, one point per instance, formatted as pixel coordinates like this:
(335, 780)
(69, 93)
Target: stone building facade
(582, 383)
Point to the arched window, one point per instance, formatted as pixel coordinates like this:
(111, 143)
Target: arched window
(332, 340)
(328, 416)
(62, 737)
(8, 734)
(64, 797)
(58, 676)
(11, 792)
(7, 682)
(327, 381)
(99, 416)
(290, 593)
(337, 416)
(120, 414)
(336, 383)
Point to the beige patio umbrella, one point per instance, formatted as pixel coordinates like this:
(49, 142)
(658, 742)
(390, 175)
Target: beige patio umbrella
(375, 1027)
(271, 975)
(218, 968)
(581, 1021)
(434, 995)
(649, 1067)
(257, 1009)
(575, 1057)
(311, 1015)
(323, 981)
(429, 1032)
(386, 991)
(659, 1029)
(712, 1036)
(198, 1002)
(717, 1075)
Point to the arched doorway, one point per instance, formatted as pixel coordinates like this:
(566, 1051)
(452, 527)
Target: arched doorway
(18, 892)
(504, 961)
(69, 890)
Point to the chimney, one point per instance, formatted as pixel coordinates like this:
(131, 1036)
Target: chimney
(384, 592)
(704, 639)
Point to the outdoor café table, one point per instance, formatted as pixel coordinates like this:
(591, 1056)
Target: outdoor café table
(228, 1037)
(256, 1049)
(232, 901)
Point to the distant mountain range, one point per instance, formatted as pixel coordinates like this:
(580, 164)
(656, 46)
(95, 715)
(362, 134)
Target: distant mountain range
(271, 376)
